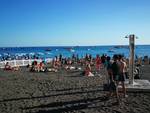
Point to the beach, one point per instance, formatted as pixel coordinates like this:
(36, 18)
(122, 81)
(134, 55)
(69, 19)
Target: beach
(64, 92)
(74, 56)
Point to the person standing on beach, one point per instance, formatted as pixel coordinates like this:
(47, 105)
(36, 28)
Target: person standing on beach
(108, 66)
(125, 69)
(122, 70)
(98, 63)
(114, 79)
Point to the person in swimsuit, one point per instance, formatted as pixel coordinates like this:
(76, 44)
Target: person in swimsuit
(98, 63)
(121, 78)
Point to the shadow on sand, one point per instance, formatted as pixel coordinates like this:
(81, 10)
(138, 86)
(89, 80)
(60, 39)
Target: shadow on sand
(68, 106)
(58, 94)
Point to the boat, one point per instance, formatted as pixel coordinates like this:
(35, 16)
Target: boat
(70, 49)
(48, 49)
(111, 50)
(48, 53)
(121, 46)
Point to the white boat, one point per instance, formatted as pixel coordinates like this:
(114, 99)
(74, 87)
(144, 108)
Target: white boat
(111, 50)
(72, 50)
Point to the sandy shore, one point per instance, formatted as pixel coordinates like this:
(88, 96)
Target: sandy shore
(64, 91)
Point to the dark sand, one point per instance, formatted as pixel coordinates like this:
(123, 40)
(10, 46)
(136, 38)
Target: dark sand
(26, 92)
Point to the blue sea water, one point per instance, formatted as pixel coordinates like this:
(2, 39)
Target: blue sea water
(67, 51)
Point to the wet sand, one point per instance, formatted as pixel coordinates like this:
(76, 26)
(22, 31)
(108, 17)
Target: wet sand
(64, 92)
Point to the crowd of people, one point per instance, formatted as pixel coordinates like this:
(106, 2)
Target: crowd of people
(117, 71)
(116, 68)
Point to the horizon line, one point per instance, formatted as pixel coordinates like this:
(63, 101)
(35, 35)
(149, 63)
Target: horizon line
(72, 45)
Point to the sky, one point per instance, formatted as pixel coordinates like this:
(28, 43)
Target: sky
(73, 22)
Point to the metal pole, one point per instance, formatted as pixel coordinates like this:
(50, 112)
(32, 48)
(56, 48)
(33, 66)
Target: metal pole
(131, 60)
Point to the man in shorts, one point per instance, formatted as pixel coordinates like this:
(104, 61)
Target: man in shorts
(115, 73)
(121, 74)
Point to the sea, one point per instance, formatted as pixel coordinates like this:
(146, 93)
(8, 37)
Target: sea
(68, 51)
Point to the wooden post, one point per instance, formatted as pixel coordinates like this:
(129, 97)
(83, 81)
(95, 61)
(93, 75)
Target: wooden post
(131, 59)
